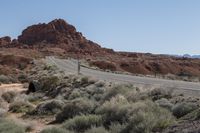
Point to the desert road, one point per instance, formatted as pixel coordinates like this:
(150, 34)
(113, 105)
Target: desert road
(70, 66)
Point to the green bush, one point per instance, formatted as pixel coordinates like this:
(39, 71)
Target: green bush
(83, 122)
(9, 96)
(20, 107)
(115, 110)
(148, 117)
(49, 107)
(97, 130)
(10, 127)
(55, 130)
(181, 109)
(75, 107)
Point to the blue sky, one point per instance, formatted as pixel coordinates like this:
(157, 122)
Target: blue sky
(156, 26)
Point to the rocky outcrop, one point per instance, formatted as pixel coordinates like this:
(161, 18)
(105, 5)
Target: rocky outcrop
(5, 41)
(58, 33)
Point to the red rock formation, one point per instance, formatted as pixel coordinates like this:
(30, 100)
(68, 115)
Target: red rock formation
(58, 33)
(5, 41)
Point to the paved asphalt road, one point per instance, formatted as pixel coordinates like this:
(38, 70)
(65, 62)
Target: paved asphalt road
(70, 66)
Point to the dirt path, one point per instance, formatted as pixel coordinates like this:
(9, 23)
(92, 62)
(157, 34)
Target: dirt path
(11, 87)
(36, 124)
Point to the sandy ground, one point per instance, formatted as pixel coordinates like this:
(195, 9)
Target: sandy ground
(36, 124)
(12, 87)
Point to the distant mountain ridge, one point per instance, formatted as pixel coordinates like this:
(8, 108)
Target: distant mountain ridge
(191, 56)
(187, 56)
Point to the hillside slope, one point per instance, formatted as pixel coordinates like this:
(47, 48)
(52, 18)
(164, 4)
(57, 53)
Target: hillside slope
(62, 39)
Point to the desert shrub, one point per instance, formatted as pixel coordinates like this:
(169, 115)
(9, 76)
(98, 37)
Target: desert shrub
(50, 67)
(97, 130)
(181, 109)
(120, 89)
(115, 110)
(194, 115)
(148, 117)
(33, 98)
(29, 126)
(49, 107)
(10, 127)
(82, 82)
(3, 112)
(49, 83)
(5, 79)
(117, 128)
(135, 95)
(55, 130)
(74, 94)
(100, 84)
(92, 90)
(164, 103)
(20, 107)
(83, 122)
(159, 93)
(23, 78)
(3, 104)
(9, 96)
(75, 107)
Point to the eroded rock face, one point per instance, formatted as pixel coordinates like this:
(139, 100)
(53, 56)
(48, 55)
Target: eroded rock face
(56, 31)
(5, 40)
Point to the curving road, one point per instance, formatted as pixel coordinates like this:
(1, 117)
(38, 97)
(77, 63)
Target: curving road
(70, 66)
